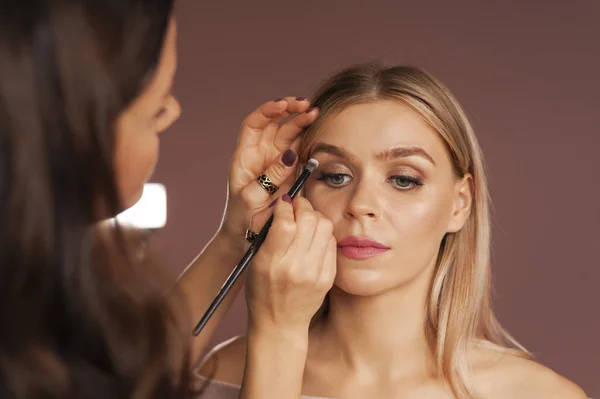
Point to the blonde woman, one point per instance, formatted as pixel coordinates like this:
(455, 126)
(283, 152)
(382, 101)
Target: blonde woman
(401, 176)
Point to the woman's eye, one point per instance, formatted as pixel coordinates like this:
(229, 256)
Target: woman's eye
(334, 179)
(405, 182)
(341, 179)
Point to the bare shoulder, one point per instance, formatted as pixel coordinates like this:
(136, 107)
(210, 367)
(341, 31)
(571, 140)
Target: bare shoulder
(510, 376)
(226, 361)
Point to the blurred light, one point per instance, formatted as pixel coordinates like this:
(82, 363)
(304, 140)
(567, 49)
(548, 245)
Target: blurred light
(150, 212)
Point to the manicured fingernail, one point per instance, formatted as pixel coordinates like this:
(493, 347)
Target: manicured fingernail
(288, 158)
(273, 203)
(287, 198)
(301, 99)
(311, 109)
(279, 99)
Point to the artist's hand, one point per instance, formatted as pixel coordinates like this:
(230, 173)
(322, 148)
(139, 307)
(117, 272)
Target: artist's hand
(293, 270)
(264, 146)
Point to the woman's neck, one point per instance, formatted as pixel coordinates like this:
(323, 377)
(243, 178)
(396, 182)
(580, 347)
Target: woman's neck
(382, 335)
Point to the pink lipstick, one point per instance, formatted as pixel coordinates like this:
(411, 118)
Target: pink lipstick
(361, 248)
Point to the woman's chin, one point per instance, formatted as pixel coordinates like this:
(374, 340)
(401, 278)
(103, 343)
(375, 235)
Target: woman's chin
(363, 282)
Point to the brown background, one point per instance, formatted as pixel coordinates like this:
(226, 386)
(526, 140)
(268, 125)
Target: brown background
(527, 74)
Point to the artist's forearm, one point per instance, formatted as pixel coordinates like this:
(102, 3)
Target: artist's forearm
(274, 365)
(203, 278)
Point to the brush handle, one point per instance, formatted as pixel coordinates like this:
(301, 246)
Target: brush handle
(246, 259)
(235, 274)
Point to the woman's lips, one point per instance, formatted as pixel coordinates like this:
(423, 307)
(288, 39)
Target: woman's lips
(361, 248)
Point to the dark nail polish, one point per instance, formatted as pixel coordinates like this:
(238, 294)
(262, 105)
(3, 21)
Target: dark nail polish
(273, 203)
(310, 109)
(287, 198)
(301, 99)
(278, 100)
(288, 158)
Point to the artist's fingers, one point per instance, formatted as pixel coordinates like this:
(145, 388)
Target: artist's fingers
(296, 105)
(270, 113)
(283, 229)
(306, 221)
(295, 145)
(313, 237)
(258, 120)
(259, 219)
(255, 195)
(321, 236)
(292, 129)
(329, 269)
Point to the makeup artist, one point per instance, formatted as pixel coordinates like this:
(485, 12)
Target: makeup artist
(85, 91)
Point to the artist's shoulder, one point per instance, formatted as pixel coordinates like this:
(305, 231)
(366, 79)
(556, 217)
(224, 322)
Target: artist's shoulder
(226, 361)
(510, 376)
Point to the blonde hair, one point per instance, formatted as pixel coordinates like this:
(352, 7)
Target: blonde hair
(459, 309)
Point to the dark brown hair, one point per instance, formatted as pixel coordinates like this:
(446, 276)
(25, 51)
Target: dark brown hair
(76, 318)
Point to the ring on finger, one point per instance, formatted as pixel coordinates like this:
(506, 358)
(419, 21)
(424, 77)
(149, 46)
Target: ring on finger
(266, 183)
(250, 235)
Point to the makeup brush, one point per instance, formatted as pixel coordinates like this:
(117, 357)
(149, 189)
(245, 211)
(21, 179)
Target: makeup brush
(311, 165)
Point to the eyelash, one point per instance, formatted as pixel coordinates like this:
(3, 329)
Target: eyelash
(413, 181)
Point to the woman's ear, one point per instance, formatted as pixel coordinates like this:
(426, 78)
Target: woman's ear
(463, 199)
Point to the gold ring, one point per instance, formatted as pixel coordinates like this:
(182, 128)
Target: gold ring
(250, 235)
(266, 183)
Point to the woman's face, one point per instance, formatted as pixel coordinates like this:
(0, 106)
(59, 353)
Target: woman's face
(138, 127)
(386, 181)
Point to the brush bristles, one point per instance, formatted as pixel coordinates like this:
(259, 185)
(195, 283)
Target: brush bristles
(312, 164)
